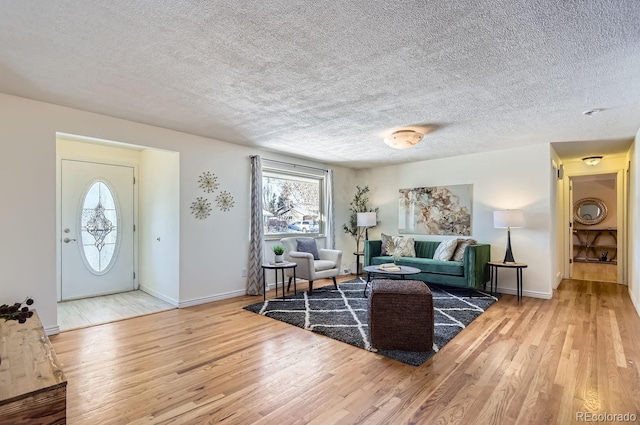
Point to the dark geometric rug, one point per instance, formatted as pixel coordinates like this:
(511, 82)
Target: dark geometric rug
(343, 314)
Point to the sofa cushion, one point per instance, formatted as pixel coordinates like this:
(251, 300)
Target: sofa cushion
(403, 247)
(308, 245)
(426, 249)
(445, 250)
(427, 265)
(398, 245)
(320, 265)
(458, 254)
(387, 244)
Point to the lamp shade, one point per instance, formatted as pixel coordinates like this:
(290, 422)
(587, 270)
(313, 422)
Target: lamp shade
(508, 218)
(367, 219)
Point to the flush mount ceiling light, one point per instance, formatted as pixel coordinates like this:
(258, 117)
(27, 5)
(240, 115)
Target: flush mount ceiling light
(592, 160)
(403, 139)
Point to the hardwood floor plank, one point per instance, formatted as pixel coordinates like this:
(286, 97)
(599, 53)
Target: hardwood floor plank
(533, 362)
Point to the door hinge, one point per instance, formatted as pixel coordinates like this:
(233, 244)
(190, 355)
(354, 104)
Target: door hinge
(134, 275)
(570, 224)
(134, 227)
(134, 180)
(570, 261)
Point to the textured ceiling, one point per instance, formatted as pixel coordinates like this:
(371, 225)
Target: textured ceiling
(326, 80)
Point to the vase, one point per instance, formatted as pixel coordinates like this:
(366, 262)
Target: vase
(280, 258)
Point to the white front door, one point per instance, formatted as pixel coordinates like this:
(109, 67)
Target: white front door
(97, 222)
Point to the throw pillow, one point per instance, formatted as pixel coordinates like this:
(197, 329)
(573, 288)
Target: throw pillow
(308, 245)
(444, 251)
(387, 245)
(458, 254)
(404, 247)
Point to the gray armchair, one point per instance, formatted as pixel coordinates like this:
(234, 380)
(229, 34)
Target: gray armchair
(326, 266)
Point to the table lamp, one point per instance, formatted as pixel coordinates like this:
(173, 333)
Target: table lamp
(366, 219)
(508, 219)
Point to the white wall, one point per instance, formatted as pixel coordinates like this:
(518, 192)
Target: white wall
(159, 224)
(557, 192)
(634, 223)
(510, 179)
(212, 251)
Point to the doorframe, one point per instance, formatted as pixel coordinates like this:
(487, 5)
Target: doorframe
(621, 217)
(59, 236)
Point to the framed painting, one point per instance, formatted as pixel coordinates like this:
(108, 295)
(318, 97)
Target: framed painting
(438, 210)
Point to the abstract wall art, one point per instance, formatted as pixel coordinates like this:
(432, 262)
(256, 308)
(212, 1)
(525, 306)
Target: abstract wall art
(437, 210)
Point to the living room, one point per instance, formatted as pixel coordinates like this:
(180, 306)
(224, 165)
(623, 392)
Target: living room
(196, 262)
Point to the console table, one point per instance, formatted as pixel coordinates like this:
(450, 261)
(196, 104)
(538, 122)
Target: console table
(33, 388)
(588, 245)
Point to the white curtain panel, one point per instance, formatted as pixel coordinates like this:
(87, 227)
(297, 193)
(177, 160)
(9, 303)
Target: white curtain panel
(331, 228)
(255, 285)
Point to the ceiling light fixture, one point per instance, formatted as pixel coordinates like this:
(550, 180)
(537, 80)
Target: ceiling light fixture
(592, 160)
(403, 139)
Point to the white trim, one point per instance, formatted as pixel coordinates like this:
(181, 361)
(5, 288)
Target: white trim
(636, 302)
(532, 294)
(52, 330)
(159, 295)
(212, 298)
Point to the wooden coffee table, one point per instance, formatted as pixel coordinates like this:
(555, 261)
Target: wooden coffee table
(376, 270)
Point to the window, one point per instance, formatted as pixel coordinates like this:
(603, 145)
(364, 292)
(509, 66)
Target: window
(98, 220)
(292, 202)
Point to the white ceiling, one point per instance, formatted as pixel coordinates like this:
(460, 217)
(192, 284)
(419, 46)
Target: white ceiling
(326, 80)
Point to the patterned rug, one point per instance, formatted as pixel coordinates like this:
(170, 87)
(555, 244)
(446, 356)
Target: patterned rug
(343, 314)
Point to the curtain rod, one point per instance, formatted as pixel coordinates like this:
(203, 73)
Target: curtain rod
(296, 165)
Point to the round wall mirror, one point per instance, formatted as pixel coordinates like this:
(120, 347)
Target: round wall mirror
(589, 211)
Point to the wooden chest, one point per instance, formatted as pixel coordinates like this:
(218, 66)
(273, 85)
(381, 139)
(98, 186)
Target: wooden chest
(33, 388)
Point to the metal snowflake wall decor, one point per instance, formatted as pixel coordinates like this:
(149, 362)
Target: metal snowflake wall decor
(225, 201)
(208, 182)
(201, 208)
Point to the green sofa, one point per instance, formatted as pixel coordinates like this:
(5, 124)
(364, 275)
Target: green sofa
(471, 273)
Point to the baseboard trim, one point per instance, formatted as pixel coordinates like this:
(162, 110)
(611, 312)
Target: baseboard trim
(212, 298)
(532, 294)
(52, 330)
(634, 301)
(158, 295)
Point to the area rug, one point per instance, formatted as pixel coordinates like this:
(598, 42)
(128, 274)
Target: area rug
(343, 315)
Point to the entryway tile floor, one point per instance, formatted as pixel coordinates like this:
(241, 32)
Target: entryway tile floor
(108, 308)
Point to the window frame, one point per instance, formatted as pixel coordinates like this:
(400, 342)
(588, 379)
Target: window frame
(279, 170)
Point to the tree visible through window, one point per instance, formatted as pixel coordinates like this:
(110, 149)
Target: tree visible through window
(292, 203)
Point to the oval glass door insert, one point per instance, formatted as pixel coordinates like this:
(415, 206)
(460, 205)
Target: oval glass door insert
(99, 224)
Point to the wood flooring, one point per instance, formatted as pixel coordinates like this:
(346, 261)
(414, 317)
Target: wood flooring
(598, 271)
(533, 362)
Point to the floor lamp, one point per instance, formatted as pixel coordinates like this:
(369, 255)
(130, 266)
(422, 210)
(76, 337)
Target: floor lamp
(508, 219)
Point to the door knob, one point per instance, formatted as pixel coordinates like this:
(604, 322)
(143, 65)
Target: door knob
(67, 240)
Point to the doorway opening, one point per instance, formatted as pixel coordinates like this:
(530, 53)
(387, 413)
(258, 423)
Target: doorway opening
(117, 226)
(595, 247)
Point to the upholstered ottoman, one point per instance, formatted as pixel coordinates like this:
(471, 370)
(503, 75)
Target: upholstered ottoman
(401, 315)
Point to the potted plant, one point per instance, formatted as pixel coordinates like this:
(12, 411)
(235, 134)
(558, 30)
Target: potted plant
(278, 250)
(358, 205)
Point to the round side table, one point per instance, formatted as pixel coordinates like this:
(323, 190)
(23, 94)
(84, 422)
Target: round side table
(276, 267)
(493, 274)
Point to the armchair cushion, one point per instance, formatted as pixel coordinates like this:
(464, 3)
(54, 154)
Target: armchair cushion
(308, 245)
